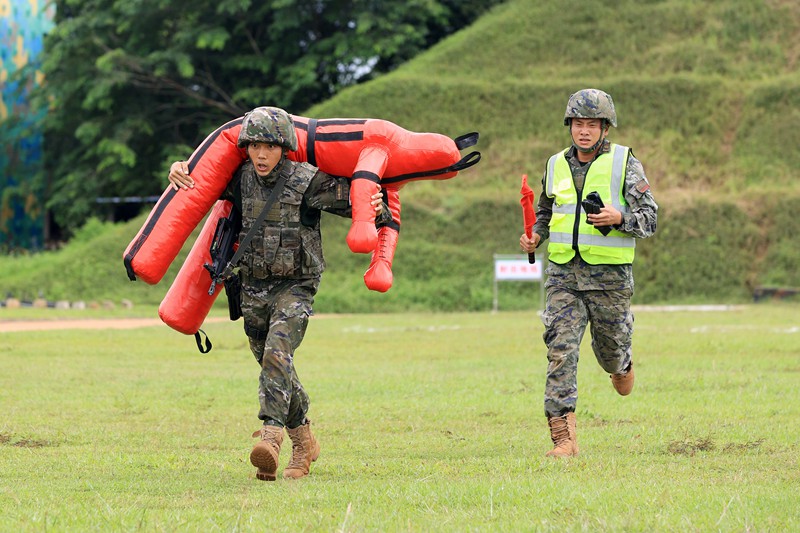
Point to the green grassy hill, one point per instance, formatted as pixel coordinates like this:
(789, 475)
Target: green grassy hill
(707, 94)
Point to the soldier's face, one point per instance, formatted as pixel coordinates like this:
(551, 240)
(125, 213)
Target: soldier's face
(586, 131)
(264, 156)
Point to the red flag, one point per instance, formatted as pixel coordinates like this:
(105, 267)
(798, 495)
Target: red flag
(528, 212)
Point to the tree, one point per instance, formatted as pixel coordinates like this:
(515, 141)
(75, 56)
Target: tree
(133, 85)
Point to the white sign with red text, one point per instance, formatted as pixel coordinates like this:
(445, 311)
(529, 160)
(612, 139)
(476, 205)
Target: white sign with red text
(516, 268)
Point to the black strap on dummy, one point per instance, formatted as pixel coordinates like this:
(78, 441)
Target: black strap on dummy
(466, 140)
(311, 156)
(462, 141)
(465, 162)
(199, 342)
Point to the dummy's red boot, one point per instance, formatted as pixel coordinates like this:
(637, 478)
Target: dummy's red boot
(363, 237)
(378, 276)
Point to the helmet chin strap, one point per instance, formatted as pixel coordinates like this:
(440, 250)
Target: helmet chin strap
(592, 148)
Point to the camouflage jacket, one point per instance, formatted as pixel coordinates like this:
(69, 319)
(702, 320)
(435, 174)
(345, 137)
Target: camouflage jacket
(639, 223)
(288, 244)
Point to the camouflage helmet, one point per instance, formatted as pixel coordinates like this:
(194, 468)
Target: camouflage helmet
(268, 125)
(591, 103)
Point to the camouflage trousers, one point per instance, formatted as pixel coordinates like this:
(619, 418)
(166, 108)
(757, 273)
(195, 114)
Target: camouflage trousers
(275, 319)
(566, 316)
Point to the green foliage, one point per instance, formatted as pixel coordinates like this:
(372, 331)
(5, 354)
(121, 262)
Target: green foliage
(90, 268)
(698, 265)
(128, 81)
(444, 262)
(706, 102)
(94, 228)
(427, 422)
(778, 247)
(21, 213)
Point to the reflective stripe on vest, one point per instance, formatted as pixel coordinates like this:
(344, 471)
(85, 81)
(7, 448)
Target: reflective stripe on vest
(568, 227)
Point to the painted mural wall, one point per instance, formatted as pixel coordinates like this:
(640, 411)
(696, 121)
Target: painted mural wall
(23, 25)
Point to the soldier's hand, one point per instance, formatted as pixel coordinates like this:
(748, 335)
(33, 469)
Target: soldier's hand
(529, 244)
(377, 202)
(179, 176)
(608, 216)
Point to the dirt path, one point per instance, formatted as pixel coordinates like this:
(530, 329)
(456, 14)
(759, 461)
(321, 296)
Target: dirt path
(132, 323)
(110, 323)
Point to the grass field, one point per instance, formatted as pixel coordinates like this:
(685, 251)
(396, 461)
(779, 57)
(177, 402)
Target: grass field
(428, 422)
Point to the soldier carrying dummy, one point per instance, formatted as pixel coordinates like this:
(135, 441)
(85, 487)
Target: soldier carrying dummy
(280, 202)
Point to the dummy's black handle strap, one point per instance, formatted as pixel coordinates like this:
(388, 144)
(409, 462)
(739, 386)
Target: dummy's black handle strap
(199, 342)
(312, 142)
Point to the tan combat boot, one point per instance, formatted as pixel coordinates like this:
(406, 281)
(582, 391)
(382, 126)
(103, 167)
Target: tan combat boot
(305, 449)
(623, 383)
(265, 454)
(562, 431)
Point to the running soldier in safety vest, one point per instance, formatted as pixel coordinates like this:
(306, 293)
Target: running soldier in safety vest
(280, 274)
(591, 250)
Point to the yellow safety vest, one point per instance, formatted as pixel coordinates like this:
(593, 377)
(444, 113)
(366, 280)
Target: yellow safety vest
(569, 230)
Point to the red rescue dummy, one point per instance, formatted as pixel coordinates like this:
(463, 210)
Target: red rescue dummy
(177, 213)
(367, 150)
(186, 303)
(377, 151)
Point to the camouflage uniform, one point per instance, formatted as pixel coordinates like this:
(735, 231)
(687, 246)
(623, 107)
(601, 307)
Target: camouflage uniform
(280, 274)
(579, 293)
